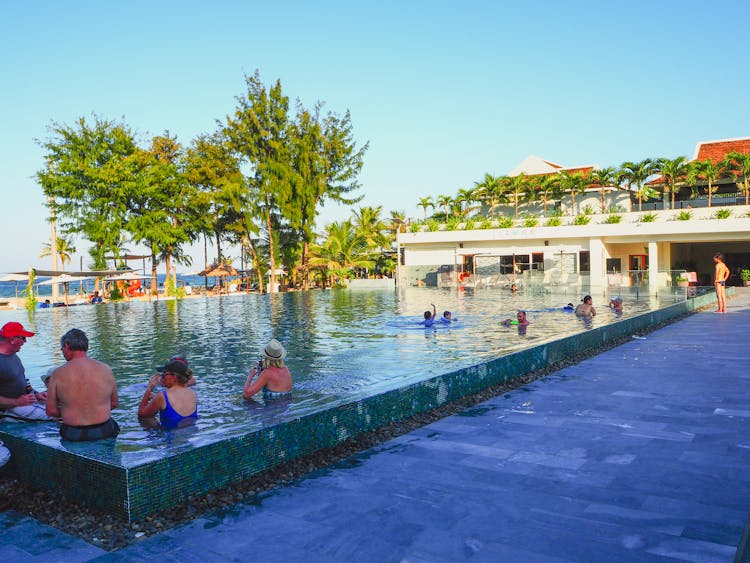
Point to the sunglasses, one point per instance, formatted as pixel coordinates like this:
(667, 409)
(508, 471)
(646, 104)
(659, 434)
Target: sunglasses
(21, 338)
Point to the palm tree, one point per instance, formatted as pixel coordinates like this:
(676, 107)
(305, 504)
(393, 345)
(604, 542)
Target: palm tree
(603, 178)
(739, 165)
(636, 173)
(488, 191)
(548, 187)
(445, 202)
(674, 172)
(396, 222)
(424, 203)
(464, 199)
(707, 171)
(342, 250)
(370, 226)
(65, 249)
(517, 186)
(574, 182)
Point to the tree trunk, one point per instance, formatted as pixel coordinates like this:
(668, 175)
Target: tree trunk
(218, 247)
(272, 279)
(305, 269)
(154, 280)
(168, 277)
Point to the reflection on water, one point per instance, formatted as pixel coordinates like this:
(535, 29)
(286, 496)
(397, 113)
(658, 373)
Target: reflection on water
(343, 345)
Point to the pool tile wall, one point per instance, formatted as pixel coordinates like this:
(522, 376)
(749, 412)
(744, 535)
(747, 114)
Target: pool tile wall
(99, 480)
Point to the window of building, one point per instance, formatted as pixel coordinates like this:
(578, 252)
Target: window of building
(584, 261)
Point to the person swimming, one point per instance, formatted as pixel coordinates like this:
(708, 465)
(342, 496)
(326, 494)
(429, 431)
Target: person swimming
(447, 317)
(429, 318)
(520, 320)
(615, 303)
(569, 307)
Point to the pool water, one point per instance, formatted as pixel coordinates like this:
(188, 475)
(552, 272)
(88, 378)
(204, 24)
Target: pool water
(342, 345)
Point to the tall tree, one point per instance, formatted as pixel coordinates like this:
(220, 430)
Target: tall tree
(674, 172)
(85, 181)
(220, 195)
(548, 187)
(65, 249)
(396, 223)
(738, 165)
(258, 133)
(160, 210)
(425, 203)
(489, 192)
(517, 187)
(603, 178)
(370, 227)
(445, 201)
(575, 183)
(464, 198)
(705, 171)
(326, 163)
(636, 174)
(341, 251)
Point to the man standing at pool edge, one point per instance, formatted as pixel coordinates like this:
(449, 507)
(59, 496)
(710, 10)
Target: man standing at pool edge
(82, 392)
(720, 283)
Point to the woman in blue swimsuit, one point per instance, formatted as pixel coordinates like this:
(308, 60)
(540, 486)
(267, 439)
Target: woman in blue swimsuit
(177, 405)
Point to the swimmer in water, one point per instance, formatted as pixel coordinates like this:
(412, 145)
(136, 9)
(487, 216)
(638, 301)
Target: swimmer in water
(615, 303)
(520, 320)
(447, 317)
(585, 309)
(569, 307)
(429, 318)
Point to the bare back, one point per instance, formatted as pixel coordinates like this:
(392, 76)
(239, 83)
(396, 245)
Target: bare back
(84, 390)
(722, 272)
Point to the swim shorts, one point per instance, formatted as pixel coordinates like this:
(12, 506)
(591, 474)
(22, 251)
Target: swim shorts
(108, 429)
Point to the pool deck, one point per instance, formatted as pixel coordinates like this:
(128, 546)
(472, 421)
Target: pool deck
(639, 453)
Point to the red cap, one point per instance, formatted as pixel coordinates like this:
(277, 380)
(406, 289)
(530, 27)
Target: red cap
(12, 329)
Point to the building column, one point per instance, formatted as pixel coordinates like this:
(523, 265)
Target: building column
(598, 274)
(653, 267)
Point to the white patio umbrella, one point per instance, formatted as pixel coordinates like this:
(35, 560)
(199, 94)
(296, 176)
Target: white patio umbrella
(64, 279)
(14, 278)
(125, 276)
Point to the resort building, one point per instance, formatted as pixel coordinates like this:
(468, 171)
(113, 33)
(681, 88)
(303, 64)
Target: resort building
(600, 240)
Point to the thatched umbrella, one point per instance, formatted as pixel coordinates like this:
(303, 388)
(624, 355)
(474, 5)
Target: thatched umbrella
(220, 271)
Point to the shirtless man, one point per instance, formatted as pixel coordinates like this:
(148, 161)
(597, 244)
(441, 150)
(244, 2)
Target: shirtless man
(585, 309)
(82, 392)
(720, 282)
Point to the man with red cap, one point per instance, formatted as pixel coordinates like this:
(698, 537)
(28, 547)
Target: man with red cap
(18, 400)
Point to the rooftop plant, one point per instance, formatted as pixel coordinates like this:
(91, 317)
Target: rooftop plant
(723, 213)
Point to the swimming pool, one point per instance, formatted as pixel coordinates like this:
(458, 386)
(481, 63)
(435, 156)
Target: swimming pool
(342, 345)
(360, 361)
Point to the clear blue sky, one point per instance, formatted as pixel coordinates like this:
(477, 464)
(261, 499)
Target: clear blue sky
(443, 91)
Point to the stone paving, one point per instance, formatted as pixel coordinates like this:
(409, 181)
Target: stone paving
(637, 454)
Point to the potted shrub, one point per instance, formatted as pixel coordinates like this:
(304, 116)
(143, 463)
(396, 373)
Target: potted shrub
(682, 280)
(745, 277)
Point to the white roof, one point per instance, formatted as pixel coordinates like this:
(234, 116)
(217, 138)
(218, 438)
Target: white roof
(534, 165)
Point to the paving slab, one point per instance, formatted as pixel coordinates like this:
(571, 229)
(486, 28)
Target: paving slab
(637, 454)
